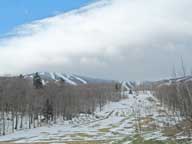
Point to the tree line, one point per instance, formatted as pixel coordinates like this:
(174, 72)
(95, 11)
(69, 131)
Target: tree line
(177, 96)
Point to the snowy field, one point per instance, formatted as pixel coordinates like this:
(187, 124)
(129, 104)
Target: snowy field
(137, 119)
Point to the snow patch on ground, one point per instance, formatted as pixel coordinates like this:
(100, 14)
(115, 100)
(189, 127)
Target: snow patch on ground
(139, 113)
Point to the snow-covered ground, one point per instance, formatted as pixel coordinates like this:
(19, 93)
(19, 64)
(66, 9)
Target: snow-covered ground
(139, 115)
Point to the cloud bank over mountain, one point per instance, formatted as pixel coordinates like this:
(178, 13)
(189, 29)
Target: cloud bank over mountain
(115, 39)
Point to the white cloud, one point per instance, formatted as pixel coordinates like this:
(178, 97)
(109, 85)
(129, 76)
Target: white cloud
(118, 39)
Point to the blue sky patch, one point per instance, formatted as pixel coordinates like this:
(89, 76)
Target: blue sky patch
(17, 12)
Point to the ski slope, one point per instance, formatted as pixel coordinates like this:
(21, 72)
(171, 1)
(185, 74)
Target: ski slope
(70, 79)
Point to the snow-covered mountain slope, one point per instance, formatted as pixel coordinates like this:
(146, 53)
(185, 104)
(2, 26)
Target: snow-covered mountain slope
(128, 85)
(172, 81)
(71, 79)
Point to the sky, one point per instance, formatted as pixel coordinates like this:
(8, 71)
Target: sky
(112, 39)
(16, 12)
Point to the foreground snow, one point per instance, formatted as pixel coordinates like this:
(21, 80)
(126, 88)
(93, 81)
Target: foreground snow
(118, 122)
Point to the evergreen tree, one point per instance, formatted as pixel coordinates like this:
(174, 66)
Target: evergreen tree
(37, 82)
(48, 110)
(130, 91)
(21, 76)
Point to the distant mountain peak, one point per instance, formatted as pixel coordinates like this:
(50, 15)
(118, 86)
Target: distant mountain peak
(71, 79)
